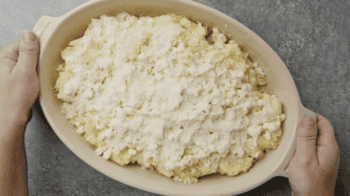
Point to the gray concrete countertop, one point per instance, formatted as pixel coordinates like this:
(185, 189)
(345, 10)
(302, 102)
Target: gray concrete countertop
(311, 37)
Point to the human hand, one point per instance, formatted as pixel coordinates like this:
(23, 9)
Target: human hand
(19, 83)
(313, 168)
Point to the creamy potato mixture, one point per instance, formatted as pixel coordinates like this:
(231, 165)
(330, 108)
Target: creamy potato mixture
(168, 94)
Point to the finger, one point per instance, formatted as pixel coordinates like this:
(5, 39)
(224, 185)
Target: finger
(28, 53)
(293, 154)
(326, 132)
(9, 57)
(326, 142)
(306, 142)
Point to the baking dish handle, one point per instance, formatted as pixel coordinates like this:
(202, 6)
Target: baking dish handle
(283, 170)
(44, 27)
(42, 24)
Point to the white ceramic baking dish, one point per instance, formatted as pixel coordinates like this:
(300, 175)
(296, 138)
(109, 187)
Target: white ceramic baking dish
(56, 32)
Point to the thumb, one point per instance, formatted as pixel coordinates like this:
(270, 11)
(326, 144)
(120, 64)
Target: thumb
(306, 141)
(28, 53)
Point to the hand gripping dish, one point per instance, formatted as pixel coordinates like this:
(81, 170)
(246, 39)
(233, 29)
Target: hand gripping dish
(56, 33)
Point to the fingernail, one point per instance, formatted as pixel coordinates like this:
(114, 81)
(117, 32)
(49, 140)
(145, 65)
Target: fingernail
(29, 37)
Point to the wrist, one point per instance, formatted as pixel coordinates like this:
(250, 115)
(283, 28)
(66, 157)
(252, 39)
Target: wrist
(12, 128)
(14, 118)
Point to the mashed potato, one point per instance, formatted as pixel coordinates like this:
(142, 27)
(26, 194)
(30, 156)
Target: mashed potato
(168, 94)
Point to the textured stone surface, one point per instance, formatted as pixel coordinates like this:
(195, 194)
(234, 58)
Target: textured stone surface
(312, 38)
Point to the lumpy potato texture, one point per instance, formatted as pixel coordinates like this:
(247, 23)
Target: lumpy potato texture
(169, 94)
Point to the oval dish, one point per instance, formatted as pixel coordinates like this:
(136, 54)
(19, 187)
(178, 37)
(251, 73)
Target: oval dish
(56, 33)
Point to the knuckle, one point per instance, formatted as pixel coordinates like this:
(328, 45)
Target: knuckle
(10, 55)
(29, 50)
(304, 137)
